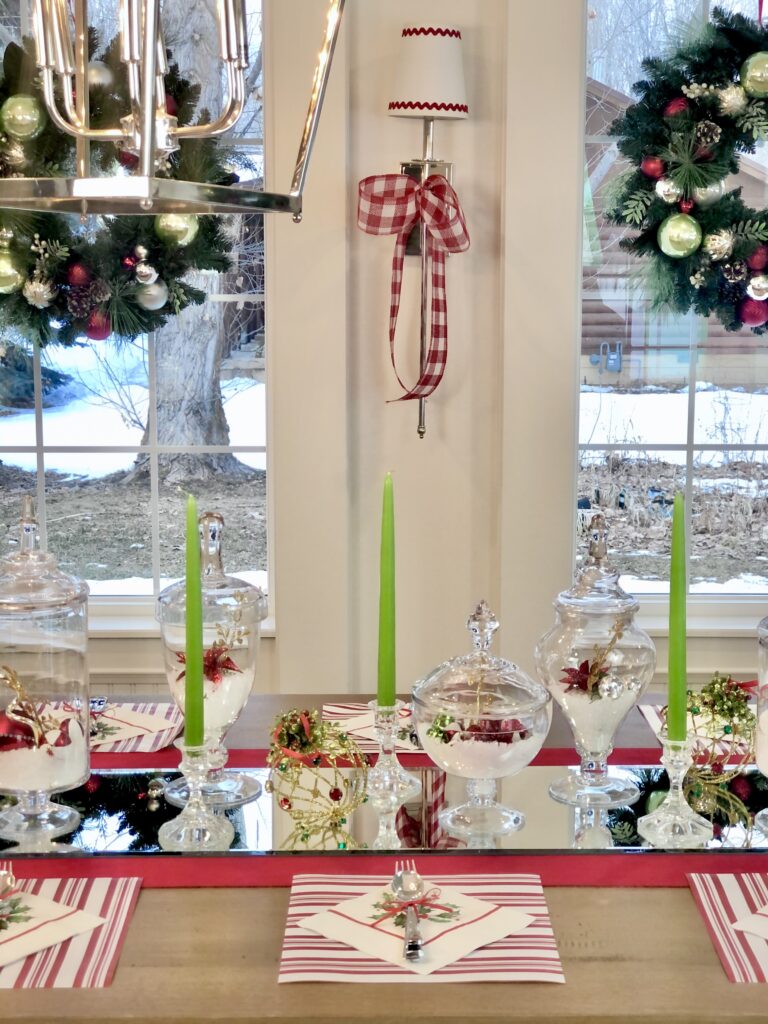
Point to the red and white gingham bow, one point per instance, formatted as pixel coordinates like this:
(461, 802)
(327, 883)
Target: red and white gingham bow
(392, 204)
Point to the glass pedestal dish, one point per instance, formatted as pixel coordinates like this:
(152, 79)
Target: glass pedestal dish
(44, 709)
(232, 614)
(595, 662)
(481, 718)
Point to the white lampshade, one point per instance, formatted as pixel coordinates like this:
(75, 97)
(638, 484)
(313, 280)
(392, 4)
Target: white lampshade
(429, 80)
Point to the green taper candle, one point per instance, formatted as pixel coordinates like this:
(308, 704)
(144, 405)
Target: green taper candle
(193, 667)
(386, 690)
(677, 697)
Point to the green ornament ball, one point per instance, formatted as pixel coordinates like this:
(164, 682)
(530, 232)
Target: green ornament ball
(754, 75)
(679, 236)
(11, 278)
(176, 228)
(22, 117)
(655, 799)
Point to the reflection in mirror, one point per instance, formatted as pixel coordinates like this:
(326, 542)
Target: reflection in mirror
(122, 812)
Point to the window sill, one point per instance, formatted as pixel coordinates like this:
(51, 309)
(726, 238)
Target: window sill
(737, 616)
(110, 619)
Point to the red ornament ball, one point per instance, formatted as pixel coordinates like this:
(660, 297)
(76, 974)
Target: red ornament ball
(285, 803)
(171, 106)
(78, 275)
(703, 153)
(758, 260)
(753, 313)
(652, 166)
(129, 262)
(98, 327)
(676, 106)
(685, 205)
(92, 784)
(127, 159)
(335, 794)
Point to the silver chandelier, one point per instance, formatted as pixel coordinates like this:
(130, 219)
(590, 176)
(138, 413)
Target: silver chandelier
(146, 129)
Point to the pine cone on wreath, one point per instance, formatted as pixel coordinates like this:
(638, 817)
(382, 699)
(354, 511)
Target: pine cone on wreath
(708, 133)
(99, 292)
(79, 303)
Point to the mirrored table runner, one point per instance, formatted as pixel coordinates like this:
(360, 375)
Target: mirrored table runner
(122, 811)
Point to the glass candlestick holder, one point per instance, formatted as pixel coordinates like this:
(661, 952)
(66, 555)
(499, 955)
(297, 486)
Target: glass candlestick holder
(389, 784)
(198, 828)
(674, 825)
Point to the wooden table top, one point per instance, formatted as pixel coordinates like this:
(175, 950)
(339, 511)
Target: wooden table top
(631, 956)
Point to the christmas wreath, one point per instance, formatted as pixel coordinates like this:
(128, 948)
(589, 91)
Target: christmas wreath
(697, 111)
(62, 279)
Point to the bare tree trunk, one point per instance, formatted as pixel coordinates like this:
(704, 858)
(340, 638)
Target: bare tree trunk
(190, 347)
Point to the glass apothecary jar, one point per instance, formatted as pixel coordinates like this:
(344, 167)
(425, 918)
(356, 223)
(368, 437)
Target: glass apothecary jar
(233, 611)
(44, 708)
(596, 662)
(482, 718)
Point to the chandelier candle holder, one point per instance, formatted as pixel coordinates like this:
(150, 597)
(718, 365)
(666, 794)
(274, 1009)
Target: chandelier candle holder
(147, 130)
(674, 825)
(389, 784)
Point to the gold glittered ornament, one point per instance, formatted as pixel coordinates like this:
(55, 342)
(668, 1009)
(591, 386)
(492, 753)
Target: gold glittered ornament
(668, 191)
(757, 288)
(177, 228)
(732, 100)
(679, 236)
(719, 245)
(39, 292)
(11, 277)
(318, 776)
(754, 75)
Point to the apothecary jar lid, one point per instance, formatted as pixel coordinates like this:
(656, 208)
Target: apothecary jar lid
(596, 590)
(30, 579)
(480, 684)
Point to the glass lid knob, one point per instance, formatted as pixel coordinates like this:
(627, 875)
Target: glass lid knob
(482, 624)
(598, 541)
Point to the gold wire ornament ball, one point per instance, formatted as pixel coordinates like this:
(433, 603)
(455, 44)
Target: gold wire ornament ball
(318, 776)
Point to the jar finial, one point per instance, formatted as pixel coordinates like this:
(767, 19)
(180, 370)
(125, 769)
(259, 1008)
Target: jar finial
(598, 541)
(482, 624)
(211, 526)
(29, 531)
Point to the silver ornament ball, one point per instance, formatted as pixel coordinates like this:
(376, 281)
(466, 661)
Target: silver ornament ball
(140, 252)
(176, 228)
(754, 75)
(100, 75)
(610, 688)
(22, 117)
(668, 191)
(152, 296)
(145, 274)
(757, 288)
(706, 195)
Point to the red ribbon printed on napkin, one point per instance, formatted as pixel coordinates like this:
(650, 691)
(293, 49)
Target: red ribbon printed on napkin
(392, 204)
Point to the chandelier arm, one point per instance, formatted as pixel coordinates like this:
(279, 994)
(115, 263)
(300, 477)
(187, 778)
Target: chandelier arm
(230, 114)
(324, 61)
(148, 78)
(60, 122)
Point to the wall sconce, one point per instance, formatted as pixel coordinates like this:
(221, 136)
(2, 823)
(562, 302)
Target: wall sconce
(429, 84)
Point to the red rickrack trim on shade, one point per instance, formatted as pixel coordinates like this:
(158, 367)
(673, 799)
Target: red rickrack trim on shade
(461, 108)
(453, 33)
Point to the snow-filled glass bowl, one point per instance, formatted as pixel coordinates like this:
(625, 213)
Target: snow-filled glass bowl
(481, 718)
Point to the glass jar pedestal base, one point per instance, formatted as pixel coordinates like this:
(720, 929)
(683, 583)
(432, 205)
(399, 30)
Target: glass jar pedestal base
(198, 828)
(593, 785)
(34, 821)
(481, 820)
(389, 785)
(674, 825)
(222, 790)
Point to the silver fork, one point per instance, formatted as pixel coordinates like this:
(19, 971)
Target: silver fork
(407, 885)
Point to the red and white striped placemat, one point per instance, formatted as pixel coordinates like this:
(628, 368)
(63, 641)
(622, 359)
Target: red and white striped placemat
(364, 736)
(722, 900)
(530, 955)
(84, 961)
(151, 741)
(652, 714)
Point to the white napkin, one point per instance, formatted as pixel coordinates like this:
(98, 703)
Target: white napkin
(457, 925)
(47, 924)
(361, 727)
(756, 924)
(118, 722)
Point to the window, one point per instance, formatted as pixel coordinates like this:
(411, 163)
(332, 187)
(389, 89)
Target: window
(666, 403)
(110, 436)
